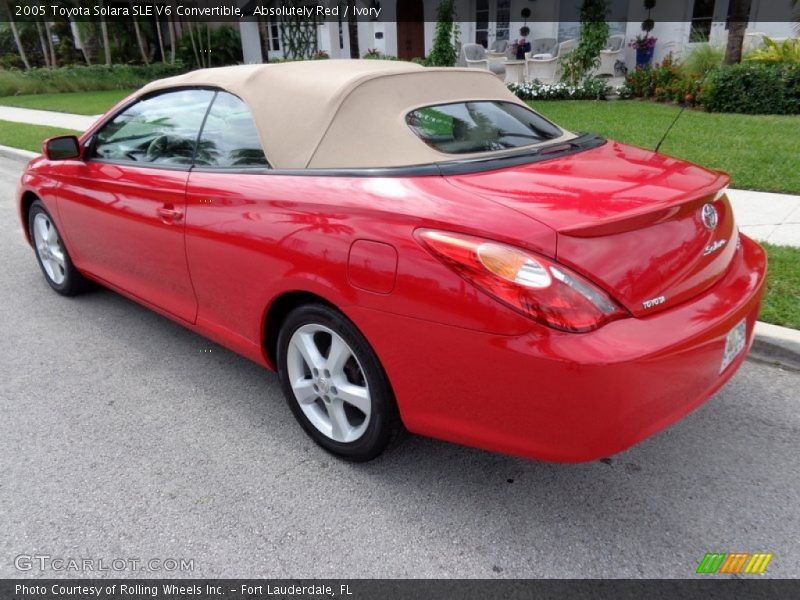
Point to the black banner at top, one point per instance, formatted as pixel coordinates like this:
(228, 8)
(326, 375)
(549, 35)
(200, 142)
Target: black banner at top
(519, 12)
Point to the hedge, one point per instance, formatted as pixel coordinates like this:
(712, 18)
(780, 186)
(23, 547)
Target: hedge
(753, 88)
(14, 82)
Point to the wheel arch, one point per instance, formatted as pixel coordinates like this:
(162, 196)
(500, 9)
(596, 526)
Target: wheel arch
(277, 312)
(26, 201)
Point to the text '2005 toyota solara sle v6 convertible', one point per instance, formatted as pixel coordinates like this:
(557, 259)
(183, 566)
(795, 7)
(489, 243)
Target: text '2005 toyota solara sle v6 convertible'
(410, 248)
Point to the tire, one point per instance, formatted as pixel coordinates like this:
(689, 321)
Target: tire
(344, 402)
(52, 256)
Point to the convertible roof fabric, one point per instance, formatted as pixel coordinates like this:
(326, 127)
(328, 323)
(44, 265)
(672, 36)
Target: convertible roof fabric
(344, 113)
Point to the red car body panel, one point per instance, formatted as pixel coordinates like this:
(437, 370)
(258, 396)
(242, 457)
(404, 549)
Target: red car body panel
(632, 228)
(215, 250)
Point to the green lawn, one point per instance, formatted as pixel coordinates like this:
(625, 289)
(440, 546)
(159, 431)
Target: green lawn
(79, 103)
(782, 302)
(28, 137)
(760, 152)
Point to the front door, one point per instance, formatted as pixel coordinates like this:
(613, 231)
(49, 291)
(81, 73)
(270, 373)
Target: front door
(492, 21)
(123, 208)
(410, 29)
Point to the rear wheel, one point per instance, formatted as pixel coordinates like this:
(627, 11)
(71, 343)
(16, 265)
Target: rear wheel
(334, 383)
(53, 258)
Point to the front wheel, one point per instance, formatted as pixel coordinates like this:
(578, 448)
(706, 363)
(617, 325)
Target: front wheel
(334, 383)
(51, 254)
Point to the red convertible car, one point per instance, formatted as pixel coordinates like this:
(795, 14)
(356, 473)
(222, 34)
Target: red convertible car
(409, 248)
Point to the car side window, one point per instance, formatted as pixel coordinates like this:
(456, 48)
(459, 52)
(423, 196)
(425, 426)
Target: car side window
(229, 137)
(159, 130)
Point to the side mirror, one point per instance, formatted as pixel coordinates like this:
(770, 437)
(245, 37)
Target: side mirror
(62, 147)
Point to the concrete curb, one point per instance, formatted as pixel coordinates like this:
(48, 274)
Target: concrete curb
(776, 345)
(17, 154)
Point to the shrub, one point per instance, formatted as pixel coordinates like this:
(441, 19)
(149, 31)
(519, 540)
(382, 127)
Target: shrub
(443, 53)
(83, 78)
(702, 59)
(594, 32)
(788, 51)
(590, 88)
(665, 82)
(375, 54)
(753, 88)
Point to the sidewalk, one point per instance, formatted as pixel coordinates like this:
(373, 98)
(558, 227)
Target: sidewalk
(46, 117)
(764, 216)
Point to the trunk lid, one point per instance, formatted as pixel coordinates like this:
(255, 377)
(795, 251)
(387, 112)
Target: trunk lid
(629, 219)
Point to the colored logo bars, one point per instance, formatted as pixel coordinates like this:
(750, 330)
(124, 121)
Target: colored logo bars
(735, 562)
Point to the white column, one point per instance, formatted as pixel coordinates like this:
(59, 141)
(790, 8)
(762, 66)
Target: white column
(251, 42)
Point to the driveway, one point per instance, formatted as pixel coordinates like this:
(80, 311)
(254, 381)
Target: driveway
(123, 435)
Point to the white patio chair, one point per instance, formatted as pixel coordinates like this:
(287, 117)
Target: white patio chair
(476, 58)
(546, 67)
(497, 51)
(614, 51)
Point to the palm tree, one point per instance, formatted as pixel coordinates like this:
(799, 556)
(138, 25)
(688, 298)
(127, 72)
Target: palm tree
(140, 40)
(43, 43)
(352, 30)
(106, 43)
(15, 33)
(160, 40)
(739, 11)
(78, 41)
(49, 35)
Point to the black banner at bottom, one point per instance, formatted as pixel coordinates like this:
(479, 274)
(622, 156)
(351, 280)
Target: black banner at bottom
(391, 589)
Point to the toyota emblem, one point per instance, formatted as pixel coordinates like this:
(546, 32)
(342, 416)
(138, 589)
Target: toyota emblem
(709, 216)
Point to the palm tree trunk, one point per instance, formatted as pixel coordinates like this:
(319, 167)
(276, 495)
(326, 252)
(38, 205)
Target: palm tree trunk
(140, 42)
(352, 24)
(190, 27)
(77, 41)
(106, 43)
(15, 33)
(172, 40)
(160, 40)
(43, 44)
(740, 13)
(50, 43)
(208, 46)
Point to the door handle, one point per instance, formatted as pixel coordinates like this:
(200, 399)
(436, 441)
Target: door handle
(169, 214)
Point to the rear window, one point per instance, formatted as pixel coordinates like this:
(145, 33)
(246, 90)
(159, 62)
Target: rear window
(484, 126)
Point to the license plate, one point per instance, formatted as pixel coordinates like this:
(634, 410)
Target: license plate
(734, 344)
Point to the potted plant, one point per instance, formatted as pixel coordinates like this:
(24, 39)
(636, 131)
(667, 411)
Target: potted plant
(645, 47)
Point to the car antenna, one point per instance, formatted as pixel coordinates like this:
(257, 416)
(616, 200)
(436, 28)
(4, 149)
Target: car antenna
(666, 133)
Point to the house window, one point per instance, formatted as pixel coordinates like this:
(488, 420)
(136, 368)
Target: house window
(702, 17)
(274, 33)
(503, 19)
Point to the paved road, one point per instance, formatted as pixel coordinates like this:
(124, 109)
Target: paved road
(121, 438)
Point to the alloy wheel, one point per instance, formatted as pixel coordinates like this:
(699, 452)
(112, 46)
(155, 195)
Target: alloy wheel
(49, 248)
(328, 383)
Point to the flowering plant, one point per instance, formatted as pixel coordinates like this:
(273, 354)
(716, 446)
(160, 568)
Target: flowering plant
(643, 42)
(590, 88)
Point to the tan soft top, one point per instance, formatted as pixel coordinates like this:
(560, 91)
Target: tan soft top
(344, 113)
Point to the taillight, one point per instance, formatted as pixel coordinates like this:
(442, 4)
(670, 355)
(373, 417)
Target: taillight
(535, 286)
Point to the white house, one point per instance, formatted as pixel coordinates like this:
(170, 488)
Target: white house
(406, 27)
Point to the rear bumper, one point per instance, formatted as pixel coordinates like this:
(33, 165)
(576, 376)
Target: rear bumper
(567, 397)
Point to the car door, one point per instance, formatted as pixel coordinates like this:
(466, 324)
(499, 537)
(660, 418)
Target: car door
(230, 222)
(123, 207)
